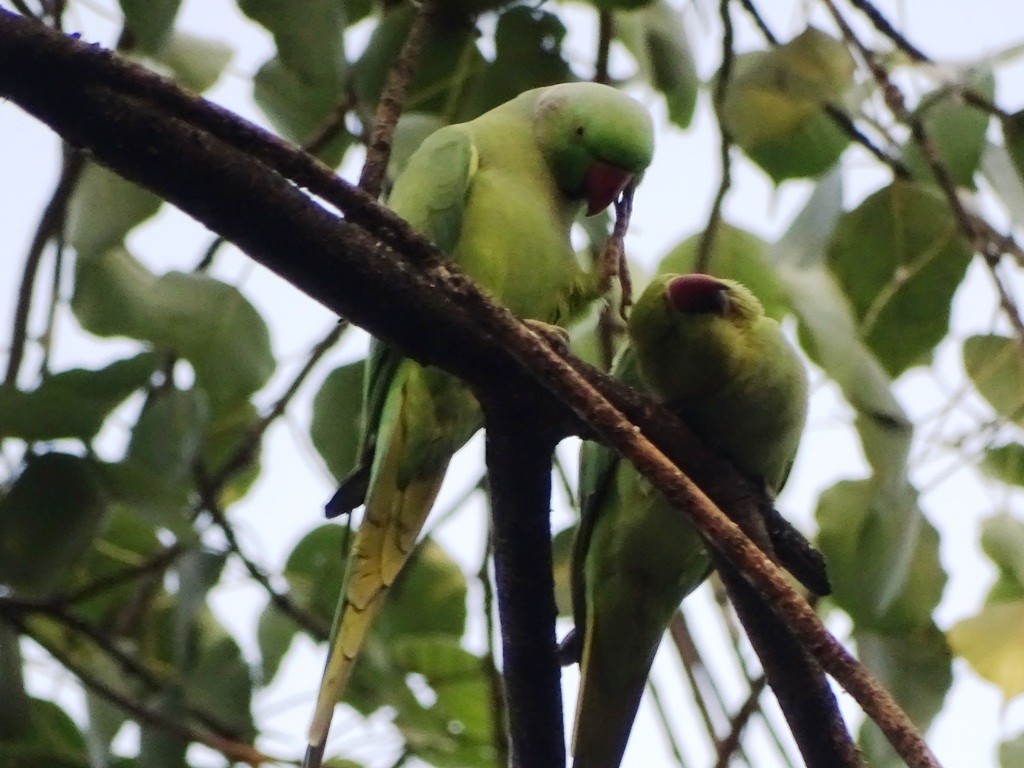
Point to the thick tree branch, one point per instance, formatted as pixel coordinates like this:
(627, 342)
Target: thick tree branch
(419, 308)
(519, 450)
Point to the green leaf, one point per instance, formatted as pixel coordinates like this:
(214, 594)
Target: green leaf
(427, 598)
(996, 367)
(155, 478)
(829, 334)
(195, 316)
(49, 739)
(737, 255)
(48, 520)
(126, 541)
(1005, 463)
(1002, 539)
(562, 545)
(882, 556)
(225, 433)
(72, 403)
(990, 643)
(217, 679)
(916, 668)
(149, 23)
(449, 61)
(315, 569)
(1013, 135)
(774, 103)
(528, 42)
(104, 209)
(456, 730)
(956, 129)
(197, 62)
(198, 571)
(1011, 753)
(14, 702)
(657, 39)
(899, 258)
(336, 425)
(274, 635)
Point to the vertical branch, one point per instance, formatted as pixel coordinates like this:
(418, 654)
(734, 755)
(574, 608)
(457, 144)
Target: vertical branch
(391, 101)
(49, 223)
(605, 31)
(519, 450)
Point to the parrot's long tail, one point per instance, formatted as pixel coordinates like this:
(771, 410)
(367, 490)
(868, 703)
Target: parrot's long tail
(612, 681)
(386, 537)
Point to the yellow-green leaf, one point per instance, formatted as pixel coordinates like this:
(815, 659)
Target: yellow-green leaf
(991, 644)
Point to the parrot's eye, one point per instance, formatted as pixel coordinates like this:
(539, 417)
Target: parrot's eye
(580, 130)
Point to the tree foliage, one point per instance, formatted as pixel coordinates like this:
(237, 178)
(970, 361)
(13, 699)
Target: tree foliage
(118, 478)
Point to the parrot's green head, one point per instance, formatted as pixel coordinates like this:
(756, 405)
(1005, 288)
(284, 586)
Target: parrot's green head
(681, 326)
(596, 139)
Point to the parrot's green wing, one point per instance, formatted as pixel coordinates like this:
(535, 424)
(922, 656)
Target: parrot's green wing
(431, 192)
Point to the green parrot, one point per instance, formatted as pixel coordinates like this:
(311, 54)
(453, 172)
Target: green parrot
(499, 195)
(704, 347)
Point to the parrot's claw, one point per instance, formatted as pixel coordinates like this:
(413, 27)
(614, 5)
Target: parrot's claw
(569, 649)
(554, 335)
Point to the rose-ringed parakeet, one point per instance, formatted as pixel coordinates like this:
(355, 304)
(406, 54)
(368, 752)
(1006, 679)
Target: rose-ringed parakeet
(499, 195)
(704, 347)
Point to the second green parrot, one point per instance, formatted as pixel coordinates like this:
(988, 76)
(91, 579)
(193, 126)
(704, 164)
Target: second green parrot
(499, 195)
(704, 347)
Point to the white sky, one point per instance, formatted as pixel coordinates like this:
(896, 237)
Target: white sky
(672, 203)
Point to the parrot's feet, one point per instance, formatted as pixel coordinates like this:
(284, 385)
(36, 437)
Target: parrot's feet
(554, 335)
(570, 649)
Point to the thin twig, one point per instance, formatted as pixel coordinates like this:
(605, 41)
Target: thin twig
(728, 745)
(605, 32)
(882, 25)
(666, 725)
(499, 712)
(695, 669)
(49, 223)
(235, 751)
(157, 562)
(392, 98)
(706, 244)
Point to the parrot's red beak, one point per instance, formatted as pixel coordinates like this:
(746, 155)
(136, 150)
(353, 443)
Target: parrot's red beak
(603, 185)
(697, 294)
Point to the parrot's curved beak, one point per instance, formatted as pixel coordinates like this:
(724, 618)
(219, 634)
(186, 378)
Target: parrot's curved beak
(603, 185)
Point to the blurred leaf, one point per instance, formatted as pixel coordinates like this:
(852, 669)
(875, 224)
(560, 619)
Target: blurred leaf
(995, 364)
(14, 701)
(956, 129)
(882, 556)
(829, 334)
(300, 86)
(1002, 175)
(900, 257)
(774, 102)
(197, 62)
(916, 669)
(336, 425)
(1002, 539)
(456, 730)
(737, 255)
(427, 598)
(1005, 463)
(217, 680)
(274, 634)
(105, 720)
(562, 545)
(315, 569)
(149, 23)
(72, 403)
(529, 55)
(1011, 753)
(449, 61)
(198, 571)
(225, 433)
(620, 5)
(1013, 134)
(48, 520)
(104, 209)
(990, 642)
(656, 37)
(126, 541)
(202, 319)
(155, 478)
(50, 739)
